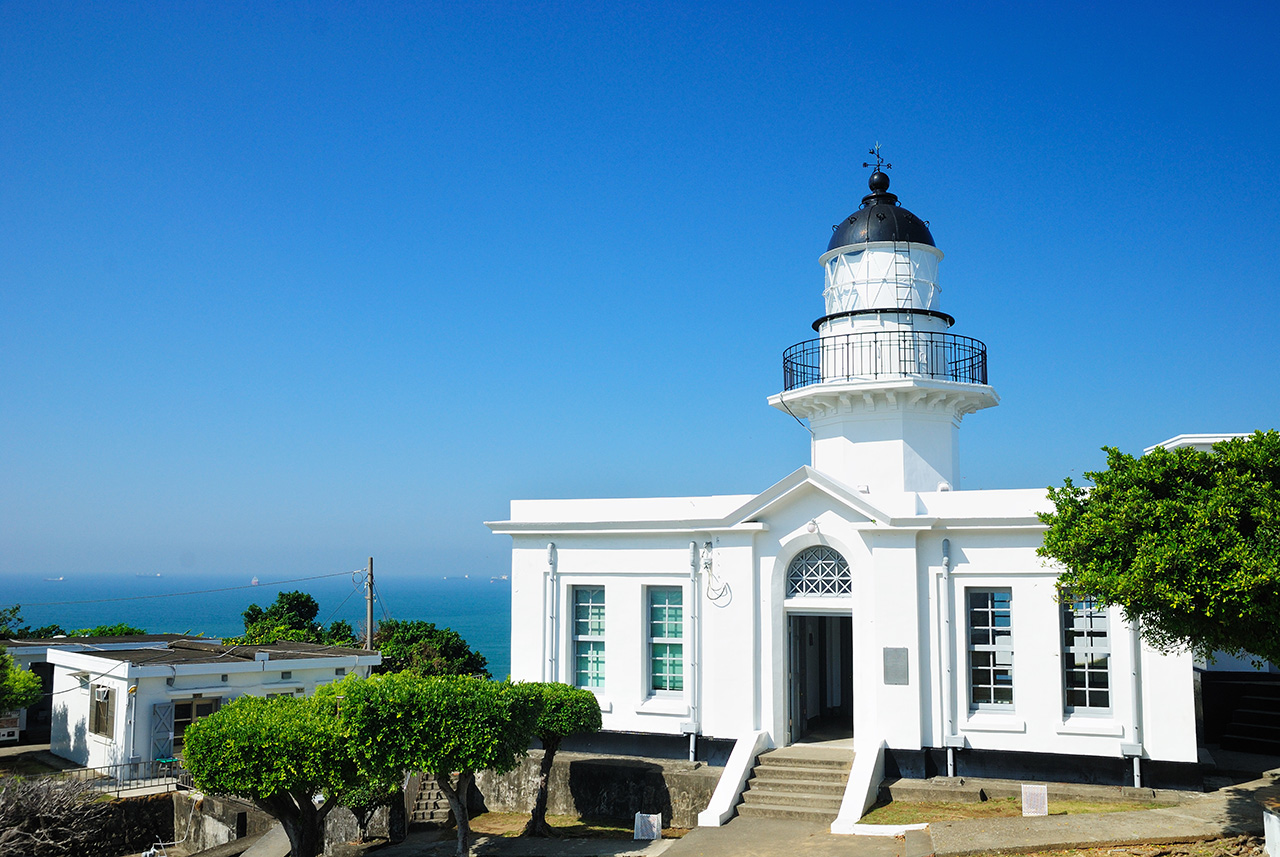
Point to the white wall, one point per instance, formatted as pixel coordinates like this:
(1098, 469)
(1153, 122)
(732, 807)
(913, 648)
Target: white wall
(131, 738)
(744, 680)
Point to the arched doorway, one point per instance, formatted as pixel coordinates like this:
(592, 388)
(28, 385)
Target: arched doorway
(820, 646)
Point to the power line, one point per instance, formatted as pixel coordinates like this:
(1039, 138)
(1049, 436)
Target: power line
(267, 585)
(335, 610)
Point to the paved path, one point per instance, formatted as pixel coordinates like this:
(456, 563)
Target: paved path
(780, 837)
(1227, 812)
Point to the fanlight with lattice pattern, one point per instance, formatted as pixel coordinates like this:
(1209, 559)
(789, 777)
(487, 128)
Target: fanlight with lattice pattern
(818, 571)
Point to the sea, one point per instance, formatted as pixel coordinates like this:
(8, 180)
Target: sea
(477, 607)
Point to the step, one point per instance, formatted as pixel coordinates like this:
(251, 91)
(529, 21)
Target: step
(788, 772)
(814, 801)
(1256, 731)
(815, 787)
(1258, 716)
(822, 762)
(776, 811)
(1250, 744)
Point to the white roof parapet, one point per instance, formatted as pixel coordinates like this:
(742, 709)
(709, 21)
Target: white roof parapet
(1202, 442)
(1015, 508)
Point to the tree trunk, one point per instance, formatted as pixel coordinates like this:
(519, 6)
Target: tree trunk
(303, 823)
(537, 825)
(457, 797)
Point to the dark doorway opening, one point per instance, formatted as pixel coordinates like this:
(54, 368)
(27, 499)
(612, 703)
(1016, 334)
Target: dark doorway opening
(821, 677)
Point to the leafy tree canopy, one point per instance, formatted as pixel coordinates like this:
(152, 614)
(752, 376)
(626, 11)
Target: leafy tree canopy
(425, 649)
(13, 628)
(278, 753)
(1185, 542)
(119, 629)
(18, 688)
(449, 726)
(292, 616)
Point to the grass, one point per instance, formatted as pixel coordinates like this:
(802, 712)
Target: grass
(1238, 846)
(24, 765)
(915, 812)
(568, 826)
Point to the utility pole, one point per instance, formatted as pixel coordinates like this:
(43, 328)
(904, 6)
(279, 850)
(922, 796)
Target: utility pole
(368, 607)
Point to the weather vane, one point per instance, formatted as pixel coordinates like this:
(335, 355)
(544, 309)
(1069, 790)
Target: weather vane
(875, 150)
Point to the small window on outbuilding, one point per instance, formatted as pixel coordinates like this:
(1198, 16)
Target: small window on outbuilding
(102, 710)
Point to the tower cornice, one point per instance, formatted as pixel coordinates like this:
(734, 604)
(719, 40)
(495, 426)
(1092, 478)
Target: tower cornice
(883, 398)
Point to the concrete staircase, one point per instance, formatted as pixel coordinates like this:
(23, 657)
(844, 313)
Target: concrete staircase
(800, 781)
(431, 806)
(1255, 723)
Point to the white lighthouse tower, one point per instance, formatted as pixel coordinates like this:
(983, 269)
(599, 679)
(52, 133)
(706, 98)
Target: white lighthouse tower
(884, 386)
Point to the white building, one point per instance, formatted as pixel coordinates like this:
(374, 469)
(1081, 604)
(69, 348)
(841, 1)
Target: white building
(862, 593)
(118, 703)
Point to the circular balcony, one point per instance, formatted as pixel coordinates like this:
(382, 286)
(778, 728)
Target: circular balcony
(885, 354)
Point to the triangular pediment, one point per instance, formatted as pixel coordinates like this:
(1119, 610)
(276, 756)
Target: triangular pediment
(802, 483)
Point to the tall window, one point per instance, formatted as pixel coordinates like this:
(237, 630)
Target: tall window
(818, 571)
(102, 710)
(990, 648)
(666, 638)
(588, 636)
(1086, 650)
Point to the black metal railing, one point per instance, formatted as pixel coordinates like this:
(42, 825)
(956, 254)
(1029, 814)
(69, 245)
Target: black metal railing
(885, 354)
(161, 775)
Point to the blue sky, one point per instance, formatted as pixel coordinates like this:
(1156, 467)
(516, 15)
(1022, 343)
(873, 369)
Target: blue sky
(282, 287)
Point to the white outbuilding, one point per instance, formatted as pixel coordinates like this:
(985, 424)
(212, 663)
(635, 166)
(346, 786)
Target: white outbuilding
(862, 595)
(120, 706)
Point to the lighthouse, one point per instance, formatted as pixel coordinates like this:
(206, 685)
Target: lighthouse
(885, 385)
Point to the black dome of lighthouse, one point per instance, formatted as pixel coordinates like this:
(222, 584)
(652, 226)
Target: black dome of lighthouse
(880, 218)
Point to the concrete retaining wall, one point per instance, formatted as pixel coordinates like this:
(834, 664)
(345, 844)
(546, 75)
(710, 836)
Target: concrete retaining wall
(215, 821)
(606, 787)
(134, 824)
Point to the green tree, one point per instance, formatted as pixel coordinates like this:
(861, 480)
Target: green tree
(18, 687)
(565, 711)
(425, 649)
(119, 629)
(278, 753)
(13, 628)
(447, 726)
(292, 616)
(1185, 542)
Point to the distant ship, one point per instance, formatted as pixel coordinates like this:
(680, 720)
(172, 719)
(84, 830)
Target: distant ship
(253, 582)
(140, 574)
(53, 579)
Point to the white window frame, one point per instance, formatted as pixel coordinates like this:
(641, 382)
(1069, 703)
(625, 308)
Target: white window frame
(674, 675)
(990, 647)
(588, 637)
(195, 700)
(1087, 661)
(100, 709)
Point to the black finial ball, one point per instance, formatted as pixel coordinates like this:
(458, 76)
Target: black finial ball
(879, 182)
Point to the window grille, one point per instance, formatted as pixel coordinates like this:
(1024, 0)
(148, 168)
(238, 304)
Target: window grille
(588, 636)
(818, 571)
(666, 638)
(990, 648)
(1086, 649)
